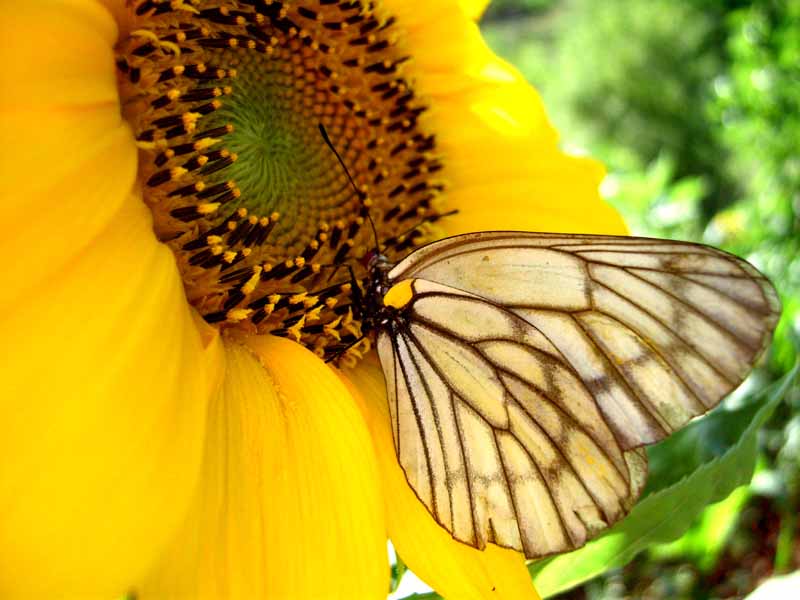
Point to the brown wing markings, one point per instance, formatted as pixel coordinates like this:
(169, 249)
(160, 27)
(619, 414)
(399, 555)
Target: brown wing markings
(676, 367)
(543, 479)
(665, 271)
(719, 326)
(613, 370)
(467, 478)
(656, 350)
(460, 436)
(710, 252)
(468, 470)
(507, 306)
(560, 359)
(756, 277)
(420, 429)
(759, 280)
(431, 253)
(634, 389)
(674, 343)
(556, 444)
(437, 423)
(511, 495)
(420, 319)
(532, 459)
(697, 250)
(560, 510)
(580, 381)
(749, 318)
(768, 292)
(687, 277)
(396, 396)
(553, 402)
(687, 344)
(747, 271)
(564, 460)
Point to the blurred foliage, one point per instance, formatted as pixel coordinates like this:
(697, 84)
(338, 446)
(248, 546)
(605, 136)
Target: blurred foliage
(757, 115)
(632, 80)
(694, 107)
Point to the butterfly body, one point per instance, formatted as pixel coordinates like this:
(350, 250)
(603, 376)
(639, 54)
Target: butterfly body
(369, 303)
(525, 371)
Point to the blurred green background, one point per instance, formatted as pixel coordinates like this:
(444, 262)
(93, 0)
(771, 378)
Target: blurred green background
(694, 107)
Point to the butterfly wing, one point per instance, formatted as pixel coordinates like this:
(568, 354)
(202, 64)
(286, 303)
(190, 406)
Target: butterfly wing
(525, 371)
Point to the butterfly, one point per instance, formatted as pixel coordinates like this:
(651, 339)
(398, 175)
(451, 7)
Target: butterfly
(526, 371)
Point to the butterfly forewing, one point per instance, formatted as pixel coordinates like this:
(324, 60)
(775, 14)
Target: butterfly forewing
(526, 371)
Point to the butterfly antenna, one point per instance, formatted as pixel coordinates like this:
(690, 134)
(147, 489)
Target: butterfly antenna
(362, 196)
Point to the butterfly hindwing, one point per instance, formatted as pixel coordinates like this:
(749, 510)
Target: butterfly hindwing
(525, 372)
(499, 439)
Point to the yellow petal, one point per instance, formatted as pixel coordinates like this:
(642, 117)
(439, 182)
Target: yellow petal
(69, 158)
(105, 377)
(559, 197)
(62, 54)
(503, 166)
(474, 8)
(289, 505)
(453, 569)
(447, 50)
(106, 370)
(50, 220)
(505, 170)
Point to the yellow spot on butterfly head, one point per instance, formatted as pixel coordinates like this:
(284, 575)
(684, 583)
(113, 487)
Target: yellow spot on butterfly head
(400, 294)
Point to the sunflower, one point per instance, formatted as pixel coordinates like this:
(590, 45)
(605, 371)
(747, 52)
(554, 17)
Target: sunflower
(180, 249)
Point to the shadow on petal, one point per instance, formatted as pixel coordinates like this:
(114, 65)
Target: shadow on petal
(289, 502)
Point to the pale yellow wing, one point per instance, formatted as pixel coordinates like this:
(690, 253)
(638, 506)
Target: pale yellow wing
(524, 372)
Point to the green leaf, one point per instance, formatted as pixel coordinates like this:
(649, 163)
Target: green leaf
(785, 542)
(664, 515)
(706, 539)
(704, 439)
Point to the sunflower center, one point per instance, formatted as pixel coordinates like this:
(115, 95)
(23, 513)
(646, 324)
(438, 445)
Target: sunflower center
(226, 99)
(287, 169)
